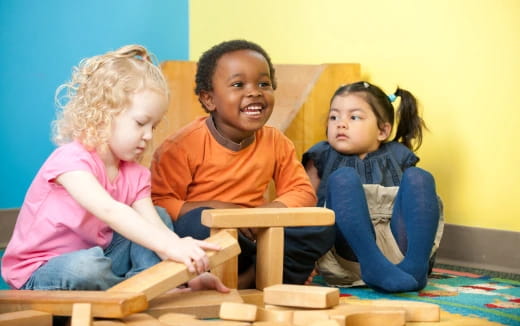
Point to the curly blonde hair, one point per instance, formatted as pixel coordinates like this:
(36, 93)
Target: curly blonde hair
(100, 89)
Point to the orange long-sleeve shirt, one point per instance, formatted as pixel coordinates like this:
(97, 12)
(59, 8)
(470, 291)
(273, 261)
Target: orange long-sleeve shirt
(192, 165)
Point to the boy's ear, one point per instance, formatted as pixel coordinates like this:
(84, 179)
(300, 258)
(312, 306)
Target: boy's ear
(384, 132)
(206, 98)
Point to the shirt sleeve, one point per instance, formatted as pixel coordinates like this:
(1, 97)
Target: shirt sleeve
(293, 187)
(67, 158)
(317, 154)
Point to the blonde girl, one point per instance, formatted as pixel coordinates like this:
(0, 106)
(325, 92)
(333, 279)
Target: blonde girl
(87, 221)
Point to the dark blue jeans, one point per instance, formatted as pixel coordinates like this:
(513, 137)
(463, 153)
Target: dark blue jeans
(302, 245)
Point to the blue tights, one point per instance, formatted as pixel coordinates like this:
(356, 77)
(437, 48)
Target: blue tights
(414, 222)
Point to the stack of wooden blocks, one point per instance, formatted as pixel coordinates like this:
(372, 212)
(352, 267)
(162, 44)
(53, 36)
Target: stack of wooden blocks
(146, 299)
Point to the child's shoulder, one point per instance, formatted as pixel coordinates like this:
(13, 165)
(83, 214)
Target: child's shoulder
(188, 133)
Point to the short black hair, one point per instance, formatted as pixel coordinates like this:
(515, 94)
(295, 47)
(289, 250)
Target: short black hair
(208, 62)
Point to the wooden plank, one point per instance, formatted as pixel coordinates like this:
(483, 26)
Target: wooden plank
(269, 257)
(228, 271)
(415, 311)
(202, 304)
(304, 296)
(197, 322)
(376, 318)
(81, 314)
(60, 303)
(282, 316)
(267, 217)
(171, 317)
(26, 317)
(252, 296)
(237, 311)
(142, 319)
(167, 275)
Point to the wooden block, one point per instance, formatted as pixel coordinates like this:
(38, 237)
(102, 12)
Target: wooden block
(198, 322)
(174, 318)
(228, 271)
(267, 217)
(304, 296)
(325, 323)
(376, 318)
(142, 319)
(168, 274)
(237, 311)
(26, 317)
(202, 304)
(81, 314)
(272, 323)
(284, 316)
(306, 317)
(108, 322)
(269, 257)
(252, 296)
(415, 311)
(104, 304)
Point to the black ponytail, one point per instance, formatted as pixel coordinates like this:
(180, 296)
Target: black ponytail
(410, 124)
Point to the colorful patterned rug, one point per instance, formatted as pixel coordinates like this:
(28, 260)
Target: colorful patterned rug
(467, 294)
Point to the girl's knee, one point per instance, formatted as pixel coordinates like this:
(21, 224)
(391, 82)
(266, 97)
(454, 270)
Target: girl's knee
(415, 173)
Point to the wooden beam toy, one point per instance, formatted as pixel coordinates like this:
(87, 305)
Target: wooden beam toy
(167, 275)
(267, 217)
(302, 296)
(60, 303)
(270, 237)
(26, 317)
(201, 304)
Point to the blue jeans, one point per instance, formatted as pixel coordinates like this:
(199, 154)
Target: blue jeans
(302, 245)
(94, 268)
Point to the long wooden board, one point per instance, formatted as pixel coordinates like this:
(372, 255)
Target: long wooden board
(267, 217)
(104, 304)
(168, 274)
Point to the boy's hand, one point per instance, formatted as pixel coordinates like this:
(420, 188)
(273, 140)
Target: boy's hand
(249, 233)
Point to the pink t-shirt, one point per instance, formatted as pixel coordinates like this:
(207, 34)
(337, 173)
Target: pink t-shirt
(52, 223)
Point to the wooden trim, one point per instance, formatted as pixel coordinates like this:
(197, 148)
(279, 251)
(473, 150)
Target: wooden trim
(7, 222)
(489, 249)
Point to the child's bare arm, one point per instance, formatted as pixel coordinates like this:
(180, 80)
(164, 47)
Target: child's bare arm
(149, 232)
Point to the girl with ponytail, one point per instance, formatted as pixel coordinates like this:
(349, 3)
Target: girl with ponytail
(388, 215)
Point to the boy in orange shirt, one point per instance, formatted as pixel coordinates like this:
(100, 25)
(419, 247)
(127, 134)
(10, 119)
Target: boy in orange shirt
(227, 159)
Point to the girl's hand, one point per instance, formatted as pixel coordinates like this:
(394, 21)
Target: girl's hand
(191, 252)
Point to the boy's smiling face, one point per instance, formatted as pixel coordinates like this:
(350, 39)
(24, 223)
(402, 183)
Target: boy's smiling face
(242, 98)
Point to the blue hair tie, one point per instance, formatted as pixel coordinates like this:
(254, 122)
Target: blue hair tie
(392, 97)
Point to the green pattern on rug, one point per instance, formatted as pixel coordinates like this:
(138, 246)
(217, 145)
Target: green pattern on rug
(494, 299)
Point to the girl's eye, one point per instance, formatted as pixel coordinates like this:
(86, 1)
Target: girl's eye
(333, 118)
(139, 123)
(355, 117)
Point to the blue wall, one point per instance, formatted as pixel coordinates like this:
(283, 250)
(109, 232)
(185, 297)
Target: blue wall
(40, 42)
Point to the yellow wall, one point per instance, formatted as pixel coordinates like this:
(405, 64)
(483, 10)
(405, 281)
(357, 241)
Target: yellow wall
(461, 58)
